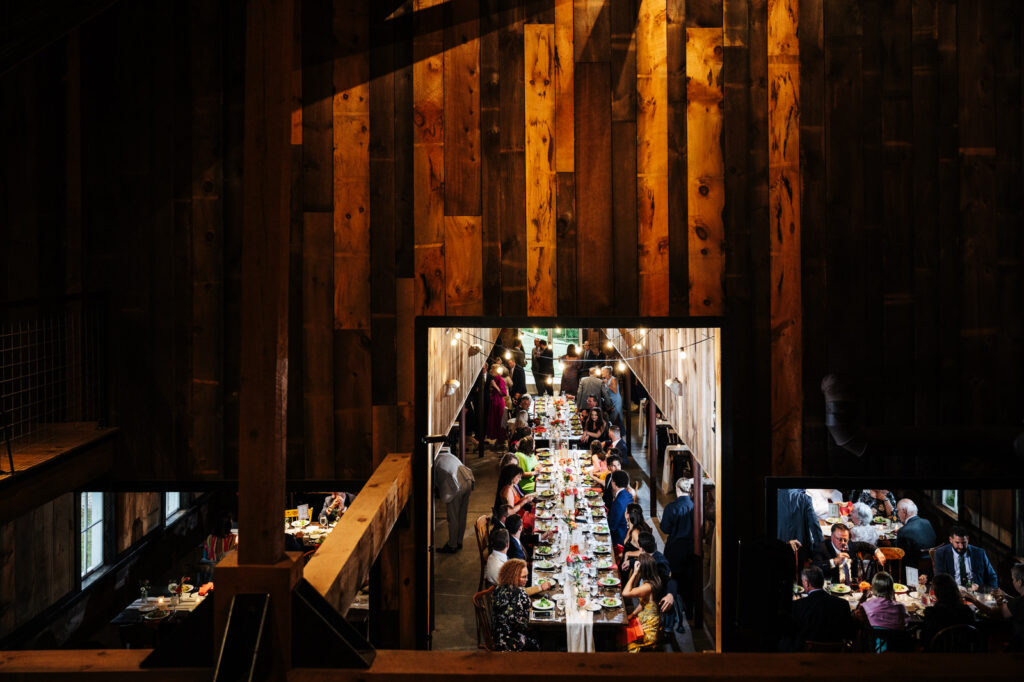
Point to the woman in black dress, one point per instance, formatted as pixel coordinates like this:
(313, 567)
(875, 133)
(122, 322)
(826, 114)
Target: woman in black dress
(949, 608)
(636, 524)
(510, 616)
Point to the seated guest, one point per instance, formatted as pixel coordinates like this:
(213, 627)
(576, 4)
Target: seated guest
(510, 614)
(882, 610)
(820, 616)
(1007, 607)
(497, 559)
(836, 557)
(949, 608)
(621, 499)
(335, 505)
(528, 463)
(614, 464)
(965, 562)
(795, 519)
(645, 586)
(821, 498)
(650, 546)
(862, 530)
(882, 502)
(635, 524)
(514, 524)
(508, 489)
(916, 536)
(617, 445)
(521, 428)
(595, 427)
(598, 465)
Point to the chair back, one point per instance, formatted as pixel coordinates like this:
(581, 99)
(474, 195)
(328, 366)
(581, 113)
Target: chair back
(482, 524)
(894, 562)
(885, 640)
(824, 647)
(958, 639)
(482, 606)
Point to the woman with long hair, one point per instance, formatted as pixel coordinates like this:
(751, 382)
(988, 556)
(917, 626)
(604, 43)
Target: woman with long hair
(497, 393)
(598, 465)
(570, 371)
(882, 610)
(612, 383)
(510, 615)
(949, 608)
(645, 586)
(510, 494)
(635, 524)
(594, 427)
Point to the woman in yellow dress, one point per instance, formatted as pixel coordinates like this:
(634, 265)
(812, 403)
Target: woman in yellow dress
(645, 586)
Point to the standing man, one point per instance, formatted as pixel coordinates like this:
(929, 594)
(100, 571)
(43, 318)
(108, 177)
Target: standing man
(518, 376)
(965, 562)
(677, 525)
(587, 358)
(795, 518)
(538, 380)
(591, 386)
(544, 367)
(453, 482)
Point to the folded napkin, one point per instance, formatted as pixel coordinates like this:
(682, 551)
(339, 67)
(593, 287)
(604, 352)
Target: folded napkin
(579, 624)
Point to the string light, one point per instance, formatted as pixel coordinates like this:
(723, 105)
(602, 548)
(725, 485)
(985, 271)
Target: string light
(508, 355)
(621, 366)
(561, 365)
(458, 335)
(550, 381)
(455, 341)
(682, 353)
(558, 330)
(609, 345)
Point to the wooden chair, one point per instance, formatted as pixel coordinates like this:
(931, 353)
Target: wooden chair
(958, 639)
(894, 555)
(482, 525)
(884, 640)
(482, 606)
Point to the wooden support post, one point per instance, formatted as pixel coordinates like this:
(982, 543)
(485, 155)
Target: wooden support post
(481, 405)
(261, 566)
(698, 542)
(627, 411)
(652, 451)
(462, 434)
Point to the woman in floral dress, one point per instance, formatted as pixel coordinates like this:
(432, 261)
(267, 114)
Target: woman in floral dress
(510, 615)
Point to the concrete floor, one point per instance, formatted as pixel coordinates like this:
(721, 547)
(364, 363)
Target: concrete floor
(456, 575)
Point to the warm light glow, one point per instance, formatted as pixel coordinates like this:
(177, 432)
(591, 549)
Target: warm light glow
(608, 344)
(621, 366)
(550, 381)
(561, 366)
(638, 346)
(458, 335)
(454, 341)
(508, 355)
(501, 370)
(668, 383)
(558, 330)
(682, 353)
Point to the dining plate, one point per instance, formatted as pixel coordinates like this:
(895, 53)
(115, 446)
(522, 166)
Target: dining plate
(839, 589)
(547, 493)
(878, 520)
(543, 604)
(544, 564)
(833, 520)
(611, 602)
(900, 588)
(600, 530)
(158, 614)
(604, 564)
(591, 493)
(545, 551)
(592, 606)
(609, 581)
(146, 608)
(602, 550)
(798, 589)
(597, 503)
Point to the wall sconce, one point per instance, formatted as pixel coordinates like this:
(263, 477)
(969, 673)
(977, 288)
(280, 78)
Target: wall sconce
(450, 387)
(674, 385)
(474, 349)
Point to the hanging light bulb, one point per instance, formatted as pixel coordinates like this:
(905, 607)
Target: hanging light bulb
(550, 381)
(501, 370)
(561, 365)
(608, 344)
(638, 346)
(508, 355)
(558, 330)
(621, 366)
(458, 335)
(454, 341)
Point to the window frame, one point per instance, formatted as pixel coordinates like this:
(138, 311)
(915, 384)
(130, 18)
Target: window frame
(84, 572)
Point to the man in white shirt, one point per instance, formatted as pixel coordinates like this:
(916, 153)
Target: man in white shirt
(453, 482)
(498, 557)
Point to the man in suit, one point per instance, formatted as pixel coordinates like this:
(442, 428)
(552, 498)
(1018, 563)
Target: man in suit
(618, 445)
(500, 541)
(514, 524)
(453, 482)
(591, 386)
(621, 498)
(588, 357)
(837, 556)
(819, 616)
(795, 518)
(614, 464)
(965, 562)
(677, 525)
(535, 366)
(518, 376)
(916, 536)
(544, 370)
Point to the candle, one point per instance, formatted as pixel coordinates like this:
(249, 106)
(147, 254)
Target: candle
(160, 601)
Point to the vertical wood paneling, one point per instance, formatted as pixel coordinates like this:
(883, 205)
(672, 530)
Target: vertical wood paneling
(352, 167)
(462, 110)
(565, 61)
(623, 24)
(462, 262)
(705, 169)
(678, 232)
(317, 341)
(594, 256)
(652, 157)
(428, 166)
(541, 275)
(591, 31)
(565, 247)
(784, 195)
(512, 123)
(624, 217)
(490, 153)
(814, 229)
(8, 585)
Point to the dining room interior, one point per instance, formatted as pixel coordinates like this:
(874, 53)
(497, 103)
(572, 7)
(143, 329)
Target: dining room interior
(233, 235)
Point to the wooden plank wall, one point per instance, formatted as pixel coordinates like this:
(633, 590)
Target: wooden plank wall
(424, 184)
(450, 356)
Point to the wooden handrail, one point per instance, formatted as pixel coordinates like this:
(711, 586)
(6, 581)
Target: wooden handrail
(343, 562)
(120, 664)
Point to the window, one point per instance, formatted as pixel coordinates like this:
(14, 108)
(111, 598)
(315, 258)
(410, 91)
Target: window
(92, 532)
(172, 504)
(951, 500)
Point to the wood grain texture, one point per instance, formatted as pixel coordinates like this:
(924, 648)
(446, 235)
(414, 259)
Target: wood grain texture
(784, 195)
(705, 168)
(490, 153)
(462, 263)
(317, 342)
(353, 413)
(512, 124)
(678, 230)
(623, 24)
(565, 61)
(624, 217)
(462, 194)
(565, 247)
(652, 159)
(591, 31)
(541, 273)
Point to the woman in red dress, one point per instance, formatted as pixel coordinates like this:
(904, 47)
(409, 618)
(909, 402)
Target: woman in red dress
(497, 392)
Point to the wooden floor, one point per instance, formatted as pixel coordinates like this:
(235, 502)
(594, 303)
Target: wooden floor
(50, 442)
